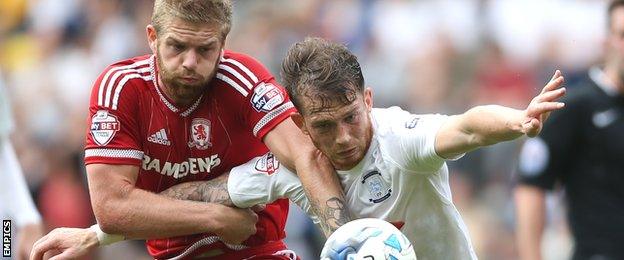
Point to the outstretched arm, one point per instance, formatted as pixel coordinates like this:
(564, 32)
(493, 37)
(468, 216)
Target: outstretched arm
(487, 125)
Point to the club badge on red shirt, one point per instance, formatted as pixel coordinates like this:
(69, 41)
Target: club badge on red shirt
(200, 134)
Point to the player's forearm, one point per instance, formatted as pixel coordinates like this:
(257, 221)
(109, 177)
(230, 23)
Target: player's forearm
(492, 124)
(140, 214)
(323, 189)
(530, 226)
(331, 212)
(214, 191)
(317, 175)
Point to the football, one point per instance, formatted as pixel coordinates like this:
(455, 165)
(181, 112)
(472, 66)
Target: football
(370, 239)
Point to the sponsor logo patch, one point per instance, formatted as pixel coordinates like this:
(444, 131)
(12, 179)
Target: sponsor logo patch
(104, 126)
(377, 188)
(266, 97)
(412, 123)
(159, 137)
(177, 170)
(200, 134)
(267, 164)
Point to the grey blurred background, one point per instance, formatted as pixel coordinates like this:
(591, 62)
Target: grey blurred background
(424, 55)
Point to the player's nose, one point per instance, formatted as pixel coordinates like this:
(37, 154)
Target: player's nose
(342, 135)
(190, 60)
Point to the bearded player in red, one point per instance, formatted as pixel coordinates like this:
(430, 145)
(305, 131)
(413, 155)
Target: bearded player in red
(190, 112)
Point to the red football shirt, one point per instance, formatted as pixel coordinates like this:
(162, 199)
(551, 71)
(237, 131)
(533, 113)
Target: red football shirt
(133, 123)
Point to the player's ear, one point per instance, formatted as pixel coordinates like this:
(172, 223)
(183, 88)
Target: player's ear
(151, 37)
(368, 99)
(223, 42)
(298, 119)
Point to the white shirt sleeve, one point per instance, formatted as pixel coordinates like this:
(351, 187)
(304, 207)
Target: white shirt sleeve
(256, 183)
(15, 197)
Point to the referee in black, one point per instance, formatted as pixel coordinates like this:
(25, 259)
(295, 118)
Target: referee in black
(581, 149)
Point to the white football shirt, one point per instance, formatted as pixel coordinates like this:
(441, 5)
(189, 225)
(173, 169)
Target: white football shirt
(401, 179)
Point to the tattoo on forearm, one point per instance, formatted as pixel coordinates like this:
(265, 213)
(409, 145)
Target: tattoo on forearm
(214, 191)
(185, 191)
(336, 213)
(333, 214)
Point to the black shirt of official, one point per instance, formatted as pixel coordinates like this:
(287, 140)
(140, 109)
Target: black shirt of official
(581, 147)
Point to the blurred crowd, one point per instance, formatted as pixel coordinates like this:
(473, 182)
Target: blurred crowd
(424, 55)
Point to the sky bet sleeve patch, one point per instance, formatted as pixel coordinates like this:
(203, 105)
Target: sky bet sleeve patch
(266, 97)
(104, 126)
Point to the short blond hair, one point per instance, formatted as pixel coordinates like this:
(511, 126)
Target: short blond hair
(193, 11)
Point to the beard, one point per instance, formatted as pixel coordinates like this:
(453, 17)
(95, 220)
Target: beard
(178, 90)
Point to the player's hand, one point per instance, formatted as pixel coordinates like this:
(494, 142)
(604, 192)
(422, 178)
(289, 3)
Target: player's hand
(28, 235)
(64, 243)
(540, 107)
(236, 225)
(258, 207)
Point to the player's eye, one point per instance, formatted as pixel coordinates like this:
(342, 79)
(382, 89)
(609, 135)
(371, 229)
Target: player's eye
(206, 48)
(177, 47)
(351, 118)
(322, 126)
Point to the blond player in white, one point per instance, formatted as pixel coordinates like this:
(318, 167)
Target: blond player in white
(391, 163)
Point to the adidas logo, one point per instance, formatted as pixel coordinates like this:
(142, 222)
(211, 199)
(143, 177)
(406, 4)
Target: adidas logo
(159, 137)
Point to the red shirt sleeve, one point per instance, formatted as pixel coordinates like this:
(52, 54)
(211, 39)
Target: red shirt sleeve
(112, 135)
(265, 102)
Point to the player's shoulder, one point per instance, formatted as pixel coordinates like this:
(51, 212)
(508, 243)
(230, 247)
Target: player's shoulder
(134, 63)
(121, 79)
(119, 73)
(242, 72)
(391, 125)
(242, 63)
(230, 56)
(389, 116)
(395, 120)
